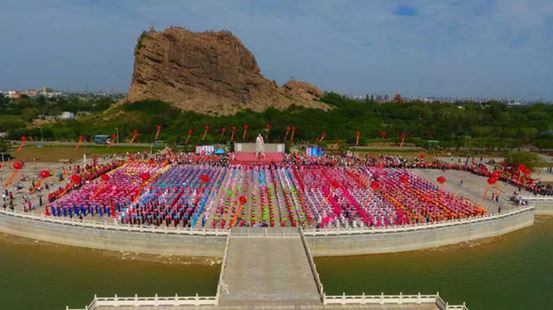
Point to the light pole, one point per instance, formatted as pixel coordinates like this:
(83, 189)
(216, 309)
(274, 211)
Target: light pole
(41, 136)
(117, 135)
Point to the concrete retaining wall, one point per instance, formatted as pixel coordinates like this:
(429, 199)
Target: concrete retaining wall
(111, 239)
(388, 241)
(327, 243)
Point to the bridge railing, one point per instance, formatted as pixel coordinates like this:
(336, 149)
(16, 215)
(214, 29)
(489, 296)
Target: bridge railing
(538, 198)
(221, 286)
(257, 232)
(265, 232)
(320, 288)
(413, 227)
(107, 225)
(155, 301)
(382, 299)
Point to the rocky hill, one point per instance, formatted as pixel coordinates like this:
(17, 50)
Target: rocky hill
(210, 73)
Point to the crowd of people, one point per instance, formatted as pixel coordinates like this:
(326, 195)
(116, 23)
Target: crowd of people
(192, 190)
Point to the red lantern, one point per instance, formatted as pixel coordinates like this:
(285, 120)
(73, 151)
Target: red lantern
(204, 178)
(104, 177)
(242, 200)
(18, 165)
(492, 180)
(76, 178)
(441, 179)
(375, 185)
(44, 174)
(145, 176)
(404, 179)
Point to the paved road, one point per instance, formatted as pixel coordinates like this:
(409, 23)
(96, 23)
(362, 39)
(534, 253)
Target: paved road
(473, 187)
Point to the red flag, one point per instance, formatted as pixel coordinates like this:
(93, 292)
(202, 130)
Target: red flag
(357, 134)
(81, 140)
(189, 136)
(134, 135)
(321, 138)
(287, 132)
(23, 141)
(222, 134)
(267, 129)
(206, 129)
(232, 133)
(293, 129)
(158, 129)
(403, 135)
(245, 134)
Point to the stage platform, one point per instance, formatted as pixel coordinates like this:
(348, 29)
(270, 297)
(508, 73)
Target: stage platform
(249, 157)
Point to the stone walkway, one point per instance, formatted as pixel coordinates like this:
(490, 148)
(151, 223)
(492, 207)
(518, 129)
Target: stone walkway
(268, 271)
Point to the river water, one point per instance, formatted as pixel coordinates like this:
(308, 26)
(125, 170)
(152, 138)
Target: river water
(514, 271)
(36, 275)
(510, 272)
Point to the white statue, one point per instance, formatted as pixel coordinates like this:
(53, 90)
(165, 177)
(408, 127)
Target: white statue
(259, 146)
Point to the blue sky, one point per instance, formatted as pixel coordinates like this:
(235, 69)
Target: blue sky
(465, 48)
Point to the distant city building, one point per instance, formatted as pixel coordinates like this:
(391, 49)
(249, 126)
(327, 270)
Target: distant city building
(45, 91)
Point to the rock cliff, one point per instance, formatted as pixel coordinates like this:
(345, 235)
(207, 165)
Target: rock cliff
(210, 73)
